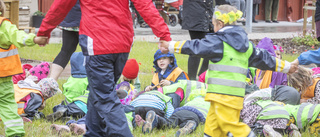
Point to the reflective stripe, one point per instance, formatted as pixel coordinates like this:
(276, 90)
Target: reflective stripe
(12, 121)
(90, 45)
(83, 96)
(310, 113)
(270, 105)
(227, 68)
(226, 82)
(188, 90)
(278, 65)
(299, 118)
(24, 40)
(275, 112)
(282, 65)
(14, 125)
(20, 105)
(198, 85)
(9, 53)
(179, 46)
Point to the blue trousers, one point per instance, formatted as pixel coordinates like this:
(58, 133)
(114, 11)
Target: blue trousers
(105, 117)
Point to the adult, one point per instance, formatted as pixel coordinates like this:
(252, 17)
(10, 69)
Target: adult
(271, 6)
(240, 5)
(196, 17)
(105, 36)
(317, 19)
(70, 40)
(255, 9)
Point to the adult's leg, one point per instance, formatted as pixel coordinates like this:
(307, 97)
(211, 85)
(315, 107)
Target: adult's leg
(235, 3)
(12, 121)
(193, 62)
(243, 6)
(254, 12)
(268, 6)
(105, 116)
(275, 10)
(70, 40)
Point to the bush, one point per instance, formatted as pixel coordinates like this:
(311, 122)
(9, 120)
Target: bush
(39, 13)
(309, 39)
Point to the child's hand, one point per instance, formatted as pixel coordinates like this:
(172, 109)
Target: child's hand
(294, 66)
(165, 83)
(164, 46)
(148, 88)
(41, 41)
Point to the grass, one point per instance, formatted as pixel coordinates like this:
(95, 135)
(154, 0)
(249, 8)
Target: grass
(142, 51)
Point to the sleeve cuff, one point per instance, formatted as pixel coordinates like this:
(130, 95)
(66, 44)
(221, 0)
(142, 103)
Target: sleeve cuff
(166, 38)
(286, 67)
(171, 46)
(29, 40)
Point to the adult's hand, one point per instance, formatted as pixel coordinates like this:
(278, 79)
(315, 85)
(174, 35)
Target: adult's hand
(164, 46)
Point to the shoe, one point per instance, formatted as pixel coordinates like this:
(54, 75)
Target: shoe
(187, 129)
(268, 21)
(66, 119)
(25, 119)
(151, 122)
(268, 131)
(144, 25)
(254, 21)
(274, 21)
(293, 131)
(78, 129)
(60, 128)
(139, 121)
(56, 115)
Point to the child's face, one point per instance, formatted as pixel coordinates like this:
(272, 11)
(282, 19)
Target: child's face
(217, 24)
(163, 62)
(278, 54)
(126, 79)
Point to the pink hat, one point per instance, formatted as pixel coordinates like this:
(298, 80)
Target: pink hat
(41, 70)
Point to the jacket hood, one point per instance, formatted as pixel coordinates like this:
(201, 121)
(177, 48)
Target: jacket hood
(267, 44)
(159, 55)
(235, 36)
(77, 62)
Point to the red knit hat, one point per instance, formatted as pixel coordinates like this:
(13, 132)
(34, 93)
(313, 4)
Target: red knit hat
(131, 69)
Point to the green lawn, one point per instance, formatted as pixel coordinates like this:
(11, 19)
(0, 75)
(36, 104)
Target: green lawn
(142, 51)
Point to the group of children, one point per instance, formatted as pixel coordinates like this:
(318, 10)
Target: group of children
(219, 99)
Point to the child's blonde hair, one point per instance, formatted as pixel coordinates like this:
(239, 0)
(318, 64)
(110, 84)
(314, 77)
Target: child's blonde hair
(302, 79)
(2, 8)
(226, 9)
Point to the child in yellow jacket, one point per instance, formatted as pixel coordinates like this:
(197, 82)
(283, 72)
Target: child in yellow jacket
(10, 64)
(230, 54)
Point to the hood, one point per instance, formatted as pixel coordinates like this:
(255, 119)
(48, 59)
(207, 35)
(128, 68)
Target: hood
(267, 44)
(286, 94)
(159, 55)
(28, 83)
(77, 62)
(235, 36)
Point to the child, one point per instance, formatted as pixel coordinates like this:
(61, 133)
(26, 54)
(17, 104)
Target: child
(167, 72)
(18, 77)
(30, 96)
(267, 78)
(230, 54)
(10, 39)
(130, 74)
(129, 90)
(187, 117)
(74, 90)
(153, 100)
(306, 85)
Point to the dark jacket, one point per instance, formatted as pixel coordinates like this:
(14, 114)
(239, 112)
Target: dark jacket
(317, 14)
(73, 18)
(256, 1)
(197, 15)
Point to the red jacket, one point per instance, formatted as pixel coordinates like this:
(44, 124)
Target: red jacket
(106, 25)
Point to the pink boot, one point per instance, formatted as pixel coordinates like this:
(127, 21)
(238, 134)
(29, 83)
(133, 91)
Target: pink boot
(60, 128)
(25, 119)
(78, 129)
(139, 121)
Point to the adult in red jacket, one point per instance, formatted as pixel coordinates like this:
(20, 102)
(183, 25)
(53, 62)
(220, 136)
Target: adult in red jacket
(105, 36)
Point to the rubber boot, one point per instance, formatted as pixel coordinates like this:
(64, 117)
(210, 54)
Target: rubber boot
(55, 71)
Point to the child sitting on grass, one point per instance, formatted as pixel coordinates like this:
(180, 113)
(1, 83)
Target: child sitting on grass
(267, 78)
(130, 74)
(230, 54)
(11, 39)
(167, 72)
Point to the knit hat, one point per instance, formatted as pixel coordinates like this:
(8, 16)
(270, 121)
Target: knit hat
(285, 94)
(131, 69)
(267, 44)
(18, 77)
(49, 87)
(41, 70)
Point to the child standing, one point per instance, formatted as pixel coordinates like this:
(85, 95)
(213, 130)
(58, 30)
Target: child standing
(267, 78)
(10, 39)
(167, 72)
(230, 54)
